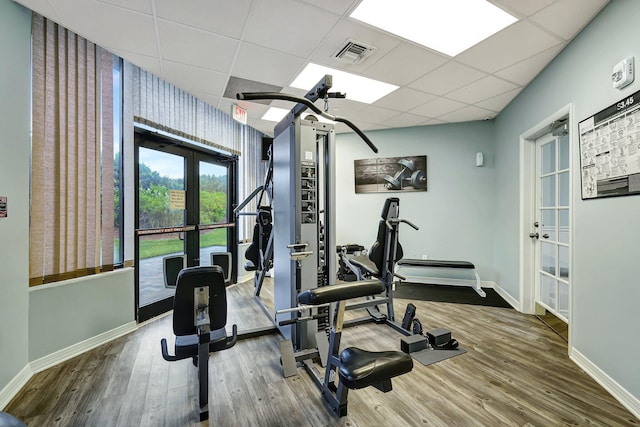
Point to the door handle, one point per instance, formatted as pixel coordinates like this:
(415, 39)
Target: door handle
(535, 235)
(545, 235)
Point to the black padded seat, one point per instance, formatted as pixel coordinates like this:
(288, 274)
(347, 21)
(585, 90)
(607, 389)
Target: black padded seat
(340, 291)
(436, 263)
(361, 368)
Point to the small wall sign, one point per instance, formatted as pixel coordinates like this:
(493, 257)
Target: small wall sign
(3, 206)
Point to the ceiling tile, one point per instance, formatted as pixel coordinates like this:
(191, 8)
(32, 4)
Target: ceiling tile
(522, 8)
(220, 17)
(101, 23)
(265, 65)
(481, 89)
(438, 107)
(468, 113)
(450, 76)
(348, 29)
(567, 17)
(524, 71)
(187, 45)
(288, 26)
(44, 8)
(404, 99)
(404, 64)
(193, 79)
(339, 7)
(498, 103)
(148, 63)
(405, 120)
(143, 6)
(373, 114)
(515, 43)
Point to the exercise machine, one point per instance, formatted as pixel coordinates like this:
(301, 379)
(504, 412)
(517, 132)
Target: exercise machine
(380, 263)
(351, 368)
(303, 208)
(199, 321)
(304, 253)
(259, 254)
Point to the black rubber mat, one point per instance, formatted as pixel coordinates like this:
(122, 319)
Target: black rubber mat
(430, 356)
(449, 293)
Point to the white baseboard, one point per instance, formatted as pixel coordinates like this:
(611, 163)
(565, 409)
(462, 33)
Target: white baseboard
(81, 347)
(616, 390)
(506, 296)
(14, 386)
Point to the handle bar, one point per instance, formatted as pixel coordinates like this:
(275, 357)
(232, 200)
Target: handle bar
(253, 96)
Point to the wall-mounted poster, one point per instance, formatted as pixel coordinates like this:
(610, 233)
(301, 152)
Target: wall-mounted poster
(610, 150)
(388, 174)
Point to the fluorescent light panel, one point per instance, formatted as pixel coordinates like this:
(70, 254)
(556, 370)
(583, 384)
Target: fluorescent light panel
(275, 114)
(357, 88)
(448, 26)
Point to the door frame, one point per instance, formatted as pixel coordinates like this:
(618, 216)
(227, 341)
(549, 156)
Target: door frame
(192, 154)
(527, 148)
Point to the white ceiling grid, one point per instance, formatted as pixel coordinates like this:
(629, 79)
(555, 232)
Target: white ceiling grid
(198, 45)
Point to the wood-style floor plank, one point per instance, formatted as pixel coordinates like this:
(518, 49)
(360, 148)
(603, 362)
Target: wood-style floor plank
(516, 372)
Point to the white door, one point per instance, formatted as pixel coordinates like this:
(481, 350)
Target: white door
(552, 228)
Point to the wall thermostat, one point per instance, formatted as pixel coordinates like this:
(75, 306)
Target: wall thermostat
(623, 73)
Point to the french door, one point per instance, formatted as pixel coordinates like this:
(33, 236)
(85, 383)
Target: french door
(184, 199)
(552, 228)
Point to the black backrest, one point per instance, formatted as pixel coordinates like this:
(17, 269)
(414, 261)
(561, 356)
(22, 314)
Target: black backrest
(377, 253)
(261, 233)
(183, 310)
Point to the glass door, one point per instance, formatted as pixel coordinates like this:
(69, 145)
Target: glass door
(552, 226)
(183, 200)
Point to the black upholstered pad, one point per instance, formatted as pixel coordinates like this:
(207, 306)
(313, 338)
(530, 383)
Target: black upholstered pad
(187, 345)
(361, 368)
(363, 262)
(436, 263)
(340, 292)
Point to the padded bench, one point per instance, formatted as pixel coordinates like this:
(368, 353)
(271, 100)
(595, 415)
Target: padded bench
(448, 265)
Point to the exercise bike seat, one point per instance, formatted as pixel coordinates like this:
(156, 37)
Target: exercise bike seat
(362, 368)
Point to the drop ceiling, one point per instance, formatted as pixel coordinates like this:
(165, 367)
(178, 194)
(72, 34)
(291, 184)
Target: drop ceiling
(203, 45)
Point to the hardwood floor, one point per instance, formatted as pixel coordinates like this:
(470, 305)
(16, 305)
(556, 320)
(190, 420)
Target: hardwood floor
(516, 373)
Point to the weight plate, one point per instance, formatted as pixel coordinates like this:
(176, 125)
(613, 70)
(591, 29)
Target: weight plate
(392, 183)
(407, 164)
(418, 179)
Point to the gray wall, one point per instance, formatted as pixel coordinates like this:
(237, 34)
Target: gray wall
(15, 40)
(35, 323)
(454, 211)
(606, 233)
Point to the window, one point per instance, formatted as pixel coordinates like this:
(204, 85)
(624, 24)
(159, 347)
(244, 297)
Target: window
(75, 165)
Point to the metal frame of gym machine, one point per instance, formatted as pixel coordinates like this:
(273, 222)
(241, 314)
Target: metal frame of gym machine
(304, 246)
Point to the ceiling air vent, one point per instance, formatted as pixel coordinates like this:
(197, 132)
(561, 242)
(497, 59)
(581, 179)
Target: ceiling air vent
(353, 52)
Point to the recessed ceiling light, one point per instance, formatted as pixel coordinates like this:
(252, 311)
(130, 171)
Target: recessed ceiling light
(356, 87)
(275, 114)
(448, 26)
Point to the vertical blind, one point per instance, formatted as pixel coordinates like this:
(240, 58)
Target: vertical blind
(72, 227)
(163, 106)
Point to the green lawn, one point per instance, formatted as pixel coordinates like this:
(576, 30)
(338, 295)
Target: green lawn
(150, 248)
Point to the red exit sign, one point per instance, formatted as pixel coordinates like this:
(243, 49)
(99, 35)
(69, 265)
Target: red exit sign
(238, 113)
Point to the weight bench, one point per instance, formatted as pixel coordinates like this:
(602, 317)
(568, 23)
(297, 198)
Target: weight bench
(447, 265)
(199, 320)
(353, 368)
